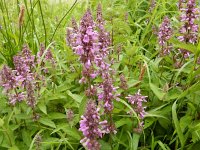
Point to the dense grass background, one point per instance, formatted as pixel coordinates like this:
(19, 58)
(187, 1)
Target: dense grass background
(172, 119)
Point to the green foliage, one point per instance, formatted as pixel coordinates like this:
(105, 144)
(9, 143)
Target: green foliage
(173, 106)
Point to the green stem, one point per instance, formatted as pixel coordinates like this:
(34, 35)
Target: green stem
(63, 19)
(7, 134)
(45, 31)
(135, 140)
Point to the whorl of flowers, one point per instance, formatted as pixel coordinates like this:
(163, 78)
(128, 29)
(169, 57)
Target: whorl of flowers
(180, 4)
(189, 29)
(164, 34)
(9, 81)
(24, 63)
(107, 94)
(123, 82)
(92, 127)
(15, 81)
(69, 115)
(137, 101)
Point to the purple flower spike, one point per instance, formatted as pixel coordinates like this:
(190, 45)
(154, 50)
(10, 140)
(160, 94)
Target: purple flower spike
(108, 92)
(164, 34)
(17, 97)
(92, 127)
(7, 79)
(84, 42)
(189, 29)
(91, 43)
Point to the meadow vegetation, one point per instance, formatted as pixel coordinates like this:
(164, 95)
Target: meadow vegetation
(99, 75)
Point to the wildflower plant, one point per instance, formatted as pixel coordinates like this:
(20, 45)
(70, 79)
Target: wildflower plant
(91, 42)
(22, 82)
(114, 85)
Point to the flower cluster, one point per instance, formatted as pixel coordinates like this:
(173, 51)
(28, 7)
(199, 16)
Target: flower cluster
(92, 127)
(189, 29)
(164, 34)
(107, 93)
(20, 83)
(137, 101)
(91, 42)
(9, 81)
(107, 88)
(84, 41)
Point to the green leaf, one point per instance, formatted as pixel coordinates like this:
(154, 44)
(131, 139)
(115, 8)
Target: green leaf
(196, 136)
(132, 83)
(157, 114)
(164, 123)
(42, 107)
(22, 116)
(56, 115)
(148, 122)
(47, 122)
(56, 96)
(194, 146)
(26, 137)
(105, 145)
(130, 51)
(163, 146)
(76, 97)
(185, 121)
(1, 137)
(157, 91)
(135, 140)
(122, 122)
(187, 46)
(177, 125)
(71, 131)
(14, 148)
(1, 122)
(82, 106)
(181, 70)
